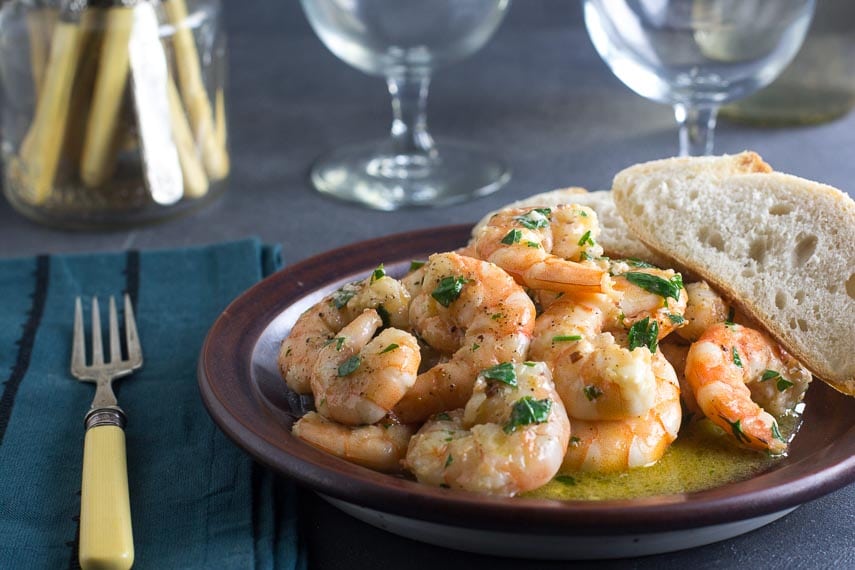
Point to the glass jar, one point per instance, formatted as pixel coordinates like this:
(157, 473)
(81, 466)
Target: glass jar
(112, 110)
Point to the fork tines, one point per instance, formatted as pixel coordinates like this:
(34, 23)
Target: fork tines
(78, 350)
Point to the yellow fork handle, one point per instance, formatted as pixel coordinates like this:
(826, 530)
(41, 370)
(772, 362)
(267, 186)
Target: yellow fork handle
(106, 539)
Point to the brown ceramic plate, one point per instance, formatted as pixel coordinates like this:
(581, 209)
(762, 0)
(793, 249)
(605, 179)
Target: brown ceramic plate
(243, 392)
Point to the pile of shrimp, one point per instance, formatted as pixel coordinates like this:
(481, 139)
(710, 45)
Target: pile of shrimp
(527, 354)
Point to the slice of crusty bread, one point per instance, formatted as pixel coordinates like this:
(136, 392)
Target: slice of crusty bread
(780, 247)
(614, 235)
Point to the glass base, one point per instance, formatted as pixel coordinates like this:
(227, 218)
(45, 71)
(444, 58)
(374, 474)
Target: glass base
(374, 176)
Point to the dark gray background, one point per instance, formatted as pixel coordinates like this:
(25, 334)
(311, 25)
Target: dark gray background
(540, 95)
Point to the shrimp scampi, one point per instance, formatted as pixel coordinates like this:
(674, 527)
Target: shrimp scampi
(596, 378)
(607, 446)
(545, 248)
(381, 446)
(322, 321)
(723, 364)
(510, 438)
(647, 292)
(358, 378)
(529, 356)
(474, 312)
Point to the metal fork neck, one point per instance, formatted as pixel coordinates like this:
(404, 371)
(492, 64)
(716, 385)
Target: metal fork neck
(104, 395)
(113, 416)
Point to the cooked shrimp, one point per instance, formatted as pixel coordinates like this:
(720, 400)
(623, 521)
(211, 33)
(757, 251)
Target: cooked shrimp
(357, 379)
(545, 248)
(601, 380)
(720, 367)
(509, 439)
(380, 447)
(617, 445)
(320, 323)
(649, 292)
(413, 280)
(474, 311)
(597, 378)
(704, 308)
(676, 354)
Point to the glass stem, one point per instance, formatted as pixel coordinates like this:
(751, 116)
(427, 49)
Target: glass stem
(697, 129)
(409, 111)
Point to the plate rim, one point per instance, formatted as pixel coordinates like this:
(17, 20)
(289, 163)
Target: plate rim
(239, 327)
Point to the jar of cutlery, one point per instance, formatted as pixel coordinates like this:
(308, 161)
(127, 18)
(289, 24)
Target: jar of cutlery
(113, 111)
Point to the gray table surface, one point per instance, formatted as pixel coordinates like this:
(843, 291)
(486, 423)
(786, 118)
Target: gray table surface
(539, 95)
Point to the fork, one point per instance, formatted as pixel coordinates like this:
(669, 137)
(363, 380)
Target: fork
(106, 538)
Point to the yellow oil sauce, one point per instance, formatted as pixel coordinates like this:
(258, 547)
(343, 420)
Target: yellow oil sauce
(702, 457)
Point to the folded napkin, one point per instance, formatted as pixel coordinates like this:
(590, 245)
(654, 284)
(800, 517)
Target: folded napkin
(197, 501)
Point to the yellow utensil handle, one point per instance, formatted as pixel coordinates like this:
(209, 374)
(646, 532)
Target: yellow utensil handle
(106, 539)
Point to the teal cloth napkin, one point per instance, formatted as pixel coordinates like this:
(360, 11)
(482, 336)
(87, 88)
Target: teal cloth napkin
(197, 501)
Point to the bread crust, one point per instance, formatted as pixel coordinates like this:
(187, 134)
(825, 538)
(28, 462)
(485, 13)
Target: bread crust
(781, 248)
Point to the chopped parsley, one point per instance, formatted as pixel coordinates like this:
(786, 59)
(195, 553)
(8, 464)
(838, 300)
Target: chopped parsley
(443, 417)
(532, 244)
(769, 375)
(503, 372)
(644, 333)
(776, 433)
(389, 348)
(783, 384)
(339, 342)
(449, 460)
(448, 290)
(676, 319)
(592, 392)
(565, 479)
(341, 297)
(349, 366)
(665, 288)
(512, 237)
(378, 273)
(736, 359)
(527, 411)
(535, 219)
(586, 239)
(384, 315)
(566, 337)
(635, 262)
(416, 264)
(736, 427)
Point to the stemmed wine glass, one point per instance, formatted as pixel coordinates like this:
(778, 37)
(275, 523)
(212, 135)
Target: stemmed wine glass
(405, 41)
(697, 54)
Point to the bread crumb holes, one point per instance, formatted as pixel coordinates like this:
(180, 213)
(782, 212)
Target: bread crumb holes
(711, 238)
(804, 249)
(780, 209)
(757, 250)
